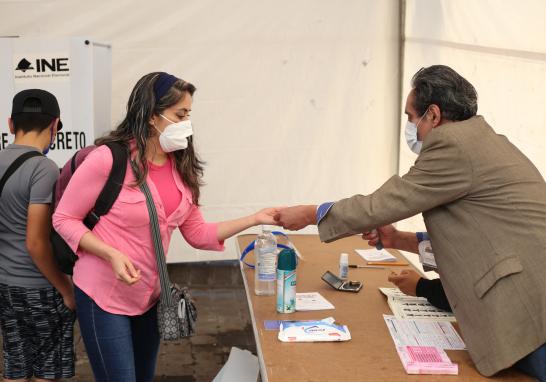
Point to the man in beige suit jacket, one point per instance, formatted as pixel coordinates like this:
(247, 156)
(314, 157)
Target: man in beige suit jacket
(484, 206)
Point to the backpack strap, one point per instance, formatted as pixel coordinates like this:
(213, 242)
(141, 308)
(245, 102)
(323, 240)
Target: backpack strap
(113, 184)
(73, 163)
(15, 165)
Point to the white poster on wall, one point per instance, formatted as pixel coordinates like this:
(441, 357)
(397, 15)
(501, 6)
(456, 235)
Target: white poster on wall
(74, 70)
(31, 68)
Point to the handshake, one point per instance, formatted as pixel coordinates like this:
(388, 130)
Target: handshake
(298, 217)
(291, 218)
(295, 218)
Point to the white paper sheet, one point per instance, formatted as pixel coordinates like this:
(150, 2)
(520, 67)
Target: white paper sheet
(375, 255)
(241, 366)
(424, 333)
(312, 301)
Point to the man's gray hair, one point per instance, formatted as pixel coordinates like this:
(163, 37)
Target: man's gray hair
(442, 86)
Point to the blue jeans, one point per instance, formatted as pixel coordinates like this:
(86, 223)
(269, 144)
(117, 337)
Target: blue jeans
(120, 348)
(534, 364)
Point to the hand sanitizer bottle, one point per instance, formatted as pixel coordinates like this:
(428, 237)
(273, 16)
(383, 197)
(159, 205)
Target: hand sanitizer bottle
(265, 251)
(286, 281)
(343, 266)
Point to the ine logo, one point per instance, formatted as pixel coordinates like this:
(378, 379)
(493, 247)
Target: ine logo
(44, 65)
(38, 67)
(24, 65)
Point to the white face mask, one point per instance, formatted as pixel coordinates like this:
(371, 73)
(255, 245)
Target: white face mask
(175, 136)
(411, 136)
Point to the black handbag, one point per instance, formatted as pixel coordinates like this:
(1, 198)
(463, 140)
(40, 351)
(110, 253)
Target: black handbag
(176, 311)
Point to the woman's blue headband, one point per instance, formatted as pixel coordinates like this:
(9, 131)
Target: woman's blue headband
(162, 85)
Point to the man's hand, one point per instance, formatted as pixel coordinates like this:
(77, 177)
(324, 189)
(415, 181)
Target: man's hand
(387, 234)
(297, 217)
(406, 281)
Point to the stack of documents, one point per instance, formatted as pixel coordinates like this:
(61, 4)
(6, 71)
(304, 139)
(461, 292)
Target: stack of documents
(426, 360)
(375, 255)
(414, 308)
(313, 331)
(421, 344)
(424, 333)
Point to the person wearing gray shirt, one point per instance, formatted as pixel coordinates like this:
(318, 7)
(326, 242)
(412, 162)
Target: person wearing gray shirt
(36, 298)
(36, 177)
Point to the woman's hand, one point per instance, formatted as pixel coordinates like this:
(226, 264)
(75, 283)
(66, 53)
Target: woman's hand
(267, 216)
(227, 229)
(124, 268)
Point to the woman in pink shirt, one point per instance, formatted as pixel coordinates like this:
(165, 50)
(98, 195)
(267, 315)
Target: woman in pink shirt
(115, 277)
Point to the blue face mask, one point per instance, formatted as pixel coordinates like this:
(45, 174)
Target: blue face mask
(46, 150)
(410, 132)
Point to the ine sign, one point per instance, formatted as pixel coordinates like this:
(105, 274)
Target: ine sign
(77, 71)
(42, 67)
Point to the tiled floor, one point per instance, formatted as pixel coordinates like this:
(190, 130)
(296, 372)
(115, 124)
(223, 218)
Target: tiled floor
(223, 322)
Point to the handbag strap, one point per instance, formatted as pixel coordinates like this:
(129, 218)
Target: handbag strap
(164, 280)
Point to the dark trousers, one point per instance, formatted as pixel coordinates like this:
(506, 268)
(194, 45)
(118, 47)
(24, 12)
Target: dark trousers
(534, 364)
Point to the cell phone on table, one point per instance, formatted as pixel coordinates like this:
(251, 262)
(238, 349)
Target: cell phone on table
(339, 284)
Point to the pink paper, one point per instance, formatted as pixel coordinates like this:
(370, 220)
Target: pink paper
(426, 360)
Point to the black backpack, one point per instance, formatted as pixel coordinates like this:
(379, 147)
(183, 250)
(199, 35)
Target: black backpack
(64, 255)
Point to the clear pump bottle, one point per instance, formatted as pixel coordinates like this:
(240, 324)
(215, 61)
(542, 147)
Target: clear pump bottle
(265, 251)
(343, 266)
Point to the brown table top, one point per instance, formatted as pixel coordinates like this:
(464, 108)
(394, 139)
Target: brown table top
(370, 355)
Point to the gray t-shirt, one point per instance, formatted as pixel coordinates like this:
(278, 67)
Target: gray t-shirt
(32, 183)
